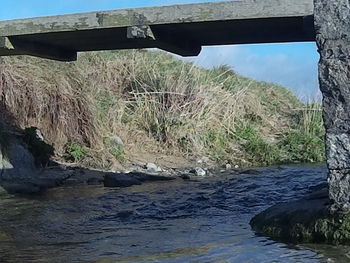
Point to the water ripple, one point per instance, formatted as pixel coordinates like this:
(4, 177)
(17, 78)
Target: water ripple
(180, 221)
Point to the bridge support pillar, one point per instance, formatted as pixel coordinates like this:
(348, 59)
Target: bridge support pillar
(332, 23)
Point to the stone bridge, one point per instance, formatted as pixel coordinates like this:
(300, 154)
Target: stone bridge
(184, 29)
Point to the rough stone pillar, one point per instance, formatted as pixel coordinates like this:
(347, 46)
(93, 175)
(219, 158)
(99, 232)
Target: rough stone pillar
(332, 23)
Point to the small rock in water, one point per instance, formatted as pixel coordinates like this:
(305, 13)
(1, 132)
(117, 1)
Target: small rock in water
(94, 181)
(228, 166)
(147, 177)
(62, 167)
(236, 166)
(119, 180)
(186, 176)
(20, 188)
(198, 171)
(153, 168)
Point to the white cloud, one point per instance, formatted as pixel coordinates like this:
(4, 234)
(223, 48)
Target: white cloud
(298, 74)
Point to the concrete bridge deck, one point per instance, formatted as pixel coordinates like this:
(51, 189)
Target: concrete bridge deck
(181, 29)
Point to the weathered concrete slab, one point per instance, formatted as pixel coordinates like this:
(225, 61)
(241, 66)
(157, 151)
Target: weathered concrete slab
(182, 29)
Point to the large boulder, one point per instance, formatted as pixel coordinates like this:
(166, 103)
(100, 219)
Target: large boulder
(119, 180)
(38, 147)
(19, 174)
(304, 221)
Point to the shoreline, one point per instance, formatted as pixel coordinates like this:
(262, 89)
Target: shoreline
(63, 175)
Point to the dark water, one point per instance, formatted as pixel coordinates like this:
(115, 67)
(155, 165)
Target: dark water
(168, 222)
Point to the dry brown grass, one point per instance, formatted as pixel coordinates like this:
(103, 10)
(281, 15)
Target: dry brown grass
(38, 94)
(154, 102)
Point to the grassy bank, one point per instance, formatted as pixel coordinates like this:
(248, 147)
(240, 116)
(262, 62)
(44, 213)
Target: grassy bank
(109, 108)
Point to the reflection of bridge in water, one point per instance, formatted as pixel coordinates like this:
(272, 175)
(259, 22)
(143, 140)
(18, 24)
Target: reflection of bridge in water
(181, 29)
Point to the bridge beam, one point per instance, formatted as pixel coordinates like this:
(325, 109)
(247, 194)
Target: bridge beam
(180, 29)
(168, 40)
(15, 46)
(332, 22)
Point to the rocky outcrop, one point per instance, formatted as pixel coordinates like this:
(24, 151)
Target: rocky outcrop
(332, 23)
(16, 161)
(16, 168)
(304, 221)
(19, 174)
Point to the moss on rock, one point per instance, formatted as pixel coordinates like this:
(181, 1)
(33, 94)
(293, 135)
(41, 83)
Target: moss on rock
(304, 221)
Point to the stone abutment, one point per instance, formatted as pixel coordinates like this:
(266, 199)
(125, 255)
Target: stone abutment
(332, 24)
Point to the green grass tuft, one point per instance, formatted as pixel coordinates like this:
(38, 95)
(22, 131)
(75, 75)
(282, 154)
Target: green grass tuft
(76, 151)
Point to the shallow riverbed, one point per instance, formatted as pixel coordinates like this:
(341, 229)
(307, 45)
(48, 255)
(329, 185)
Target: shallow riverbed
(177, 221)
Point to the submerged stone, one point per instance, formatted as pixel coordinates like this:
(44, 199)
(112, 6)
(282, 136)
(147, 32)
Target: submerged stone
(308, 220)
(132, 178)
(120, 180)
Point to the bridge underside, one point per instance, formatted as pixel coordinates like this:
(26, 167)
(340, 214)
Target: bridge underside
(183, 32)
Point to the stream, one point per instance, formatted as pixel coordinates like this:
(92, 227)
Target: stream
(174, 221)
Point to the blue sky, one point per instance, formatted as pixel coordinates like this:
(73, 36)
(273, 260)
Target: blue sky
(293, 65)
